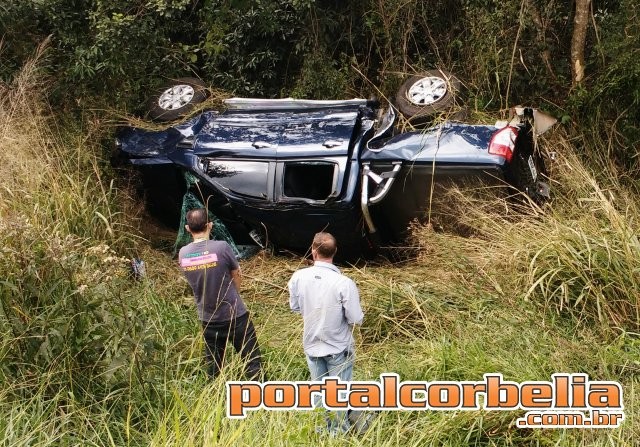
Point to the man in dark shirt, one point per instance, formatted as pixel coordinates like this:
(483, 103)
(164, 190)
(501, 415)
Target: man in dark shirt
(214, 275)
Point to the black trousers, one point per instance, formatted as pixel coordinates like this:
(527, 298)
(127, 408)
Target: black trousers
(242, 335)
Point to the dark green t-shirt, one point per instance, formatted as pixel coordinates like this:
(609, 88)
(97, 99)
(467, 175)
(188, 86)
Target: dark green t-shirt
(207, 265)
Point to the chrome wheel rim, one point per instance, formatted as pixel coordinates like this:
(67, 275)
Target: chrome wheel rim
(427, 91)
(176, 97)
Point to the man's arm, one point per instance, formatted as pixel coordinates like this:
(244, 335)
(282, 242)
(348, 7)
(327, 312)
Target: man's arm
(294, 303)
(351, 304)
(236, 277)
(233, 266)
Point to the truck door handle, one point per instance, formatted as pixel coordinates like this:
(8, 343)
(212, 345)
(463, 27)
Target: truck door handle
(332, 143)
(261, 144)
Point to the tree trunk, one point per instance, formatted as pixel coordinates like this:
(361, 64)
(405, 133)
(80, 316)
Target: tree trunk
(541, 36)
(578, 39)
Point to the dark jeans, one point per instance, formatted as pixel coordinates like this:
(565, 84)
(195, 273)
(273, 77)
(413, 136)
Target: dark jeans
(241, 333)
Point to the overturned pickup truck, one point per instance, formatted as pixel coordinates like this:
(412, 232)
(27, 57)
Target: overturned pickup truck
(278, 171)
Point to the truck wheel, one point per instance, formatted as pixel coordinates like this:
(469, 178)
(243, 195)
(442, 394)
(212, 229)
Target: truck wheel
(427, 94)
(177, 99)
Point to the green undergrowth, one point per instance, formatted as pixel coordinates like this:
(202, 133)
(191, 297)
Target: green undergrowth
(91, 356)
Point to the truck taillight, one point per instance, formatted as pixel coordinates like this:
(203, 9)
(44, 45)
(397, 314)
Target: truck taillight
(503, 142)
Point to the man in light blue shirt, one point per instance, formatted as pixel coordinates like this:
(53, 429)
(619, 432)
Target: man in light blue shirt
(330, 307)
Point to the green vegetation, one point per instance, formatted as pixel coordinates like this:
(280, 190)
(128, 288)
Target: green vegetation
(114, 52)
(90, 356)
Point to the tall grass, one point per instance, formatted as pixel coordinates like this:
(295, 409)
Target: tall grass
(80, 340)
(579, 255)
(88, 356)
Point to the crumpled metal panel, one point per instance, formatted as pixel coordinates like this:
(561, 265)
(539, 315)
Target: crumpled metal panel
(446, 143)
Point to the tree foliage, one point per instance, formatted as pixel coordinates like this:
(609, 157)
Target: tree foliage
(116, 51)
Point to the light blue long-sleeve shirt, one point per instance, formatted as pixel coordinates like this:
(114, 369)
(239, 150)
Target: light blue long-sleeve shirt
(329, 303)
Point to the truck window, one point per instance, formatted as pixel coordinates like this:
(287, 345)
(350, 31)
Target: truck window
(314, 181)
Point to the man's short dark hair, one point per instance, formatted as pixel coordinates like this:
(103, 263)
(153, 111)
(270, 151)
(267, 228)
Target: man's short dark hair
(325, 245)
(197, 220)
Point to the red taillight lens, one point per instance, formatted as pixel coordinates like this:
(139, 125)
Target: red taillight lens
(503, 142)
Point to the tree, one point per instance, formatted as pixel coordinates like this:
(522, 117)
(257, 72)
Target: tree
(578, 40)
